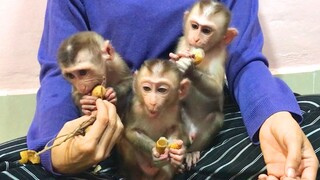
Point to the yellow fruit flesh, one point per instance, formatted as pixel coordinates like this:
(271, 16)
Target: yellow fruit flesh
(98, 91)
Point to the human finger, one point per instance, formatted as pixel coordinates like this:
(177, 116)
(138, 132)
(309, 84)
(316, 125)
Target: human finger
(310, 161)
(117, 135)
(106, 139)
(102, 121)
(294, 145)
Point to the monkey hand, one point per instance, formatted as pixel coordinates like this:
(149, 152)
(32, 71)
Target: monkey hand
(111, 95)
(192, 159)
(177, 155)
(184, 64)
(88, 104)
(160, 159)
(184, 60)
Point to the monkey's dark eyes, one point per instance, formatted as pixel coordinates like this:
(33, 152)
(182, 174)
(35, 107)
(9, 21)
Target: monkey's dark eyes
(206, 30)
(69, 75)
(83, 72)
(162, 90)
(194, 26)
(146, 88)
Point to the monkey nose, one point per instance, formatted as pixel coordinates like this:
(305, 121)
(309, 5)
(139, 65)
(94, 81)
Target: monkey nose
(82, 89)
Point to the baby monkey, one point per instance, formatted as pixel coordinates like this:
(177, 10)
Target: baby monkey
(206, 27)
(87, 60)
(154, 112)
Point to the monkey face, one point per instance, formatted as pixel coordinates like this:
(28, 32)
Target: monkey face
(156, 94)
(83, 77)
(203, 31)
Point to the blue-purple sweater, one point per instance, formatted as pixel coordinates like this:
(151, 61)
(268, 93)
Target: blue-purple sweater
(143, 29)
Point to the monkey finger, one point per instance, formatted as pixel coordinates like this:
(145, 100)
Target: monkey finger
(177, 159)
(195, 157)
(86, 112)
(185, 54)
(111, 97)
(109, 91)
(188, 161)
(174, 56)
(88, 100)
(89, 107)
(182, 66)
(161, 160)
(113, 101)
(181, 168)
(155, 153)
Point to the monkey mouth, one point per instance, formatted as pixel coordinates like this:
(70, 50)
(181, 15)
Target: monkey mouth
(153, 113)
(91, 89)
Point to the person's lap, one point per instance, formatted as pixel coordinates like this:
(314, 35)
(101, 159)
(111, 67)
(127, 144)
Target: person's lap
(232, 155)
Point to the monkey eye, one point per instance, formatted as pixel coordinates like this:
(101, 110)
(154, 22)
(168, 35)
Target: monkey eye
(194, 26)
(206, 30)
(146, 88)
(69, 75)
(83, 72)
(162, 90)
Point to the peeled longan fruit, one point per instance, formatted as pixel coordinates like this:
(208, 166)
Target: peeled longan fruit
(99, 91)
(29, 155)
(198, 55)
(161, 145)
(175, 146)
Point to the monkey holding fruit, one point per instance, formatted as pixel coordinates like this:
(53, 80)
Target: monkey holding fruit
(87, 60)
(206, 36)
(154, 112)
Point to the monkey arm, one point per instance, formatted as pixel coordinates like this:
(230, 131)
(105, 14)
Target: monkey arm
(140, 140)
(123, 88)
(209, 84)
(210, 126)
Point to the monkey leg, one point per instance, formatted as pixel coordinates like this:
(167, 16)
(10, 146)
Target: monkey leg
(192, 158)
(165, 173)
(207, 129)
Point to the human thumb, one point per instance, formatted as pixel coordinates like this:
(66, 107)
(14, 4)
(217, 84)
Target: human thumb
(293, 159)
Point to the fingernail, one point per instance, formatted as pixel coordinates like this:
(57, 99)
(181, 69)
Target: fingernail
(291, 173)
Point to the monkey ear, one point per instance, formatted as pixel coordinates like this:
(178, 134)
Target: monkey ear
(134, 84)
(108, 50)
(185, 15)
(184, 88)
(230, 35)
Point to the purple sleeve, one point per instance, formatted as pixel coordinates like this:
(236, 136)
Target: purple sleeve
(54, 101)
(258, 93)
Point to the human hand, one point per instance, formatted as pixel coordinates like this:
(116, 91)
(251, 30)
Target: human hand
(81, 152)
(287, 152)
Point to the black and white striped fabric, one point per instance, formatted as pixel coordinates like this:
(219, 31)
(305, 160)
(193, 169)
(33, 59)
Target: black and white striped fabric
(232, 155)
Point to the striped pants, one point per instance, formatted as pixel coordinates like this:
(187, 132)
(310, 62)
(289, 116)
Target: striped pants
(232, 155)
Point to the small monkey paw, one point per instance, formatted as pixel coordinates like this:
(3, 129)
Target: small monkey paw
(192, 159)
(184, 64)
